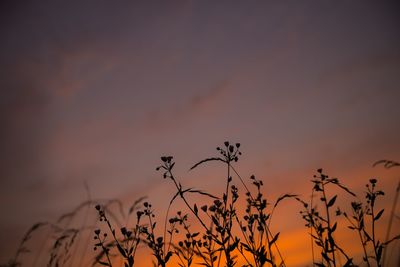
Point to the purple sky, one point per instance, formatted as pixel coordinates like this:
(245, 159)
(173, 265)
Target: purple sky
(96, 92)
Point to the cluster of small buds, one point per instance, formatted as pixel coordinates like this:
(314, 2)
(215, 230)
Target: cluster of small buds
(216, 207)
(156, 244)
(311, 217)
(179, 218)
(126, 233)
(258, 202)
(251, 219)
(257, 183)
(186, 247)
(372, 194)
(167, 159)
(322, 177)
(191, 243)
(173, 220)
(208, 235)
(101, 212)
(147, 210)
(167, 166)
(207, 240)
(256, 217)
(101, 239)
(356, 206)
(318, 180)
(144, 230)
(230, 152)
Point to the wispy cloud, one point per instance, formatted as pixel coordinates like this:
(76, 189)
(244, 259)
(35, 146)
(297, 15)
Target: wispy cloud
(200, 106)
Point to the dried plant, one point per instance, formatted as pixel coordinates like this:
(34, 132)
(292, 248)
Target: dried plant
(127, 246)
(226, 232)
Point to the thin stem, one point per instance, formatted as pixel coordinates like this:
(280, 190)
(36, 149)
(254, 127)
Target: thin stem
(311, 229)
(392, 216)
(165, 225)
(373, 234)
(184, 200)
(332, 245)
(364, 248)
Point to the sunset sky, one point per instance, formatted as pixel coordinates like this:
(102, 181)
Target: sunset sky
(97, 91)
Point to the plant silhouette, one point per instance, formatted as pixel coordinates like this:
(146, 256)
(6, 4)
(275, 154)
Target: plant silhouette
(218, 231)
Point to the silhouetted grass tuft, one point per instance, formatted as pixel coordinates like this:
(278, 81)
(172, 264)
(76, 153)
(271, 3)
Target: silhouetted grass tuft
(228, 235)
(221, 232)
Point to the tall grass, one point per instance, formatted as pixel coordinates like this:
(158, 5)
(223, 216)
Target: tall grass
(219, 231)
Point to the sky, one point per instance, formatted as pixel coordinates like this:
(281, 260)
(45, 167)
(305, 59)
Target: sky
(95, 92)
